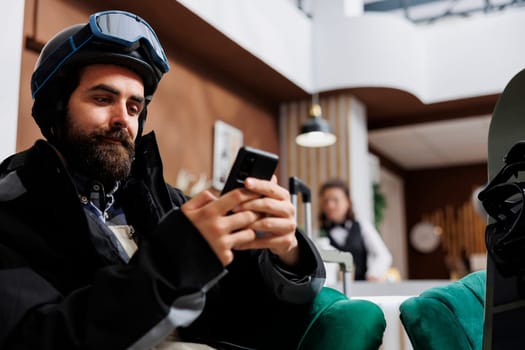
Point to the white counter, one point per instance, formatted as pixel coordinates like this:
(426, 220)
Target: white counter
(388, 296)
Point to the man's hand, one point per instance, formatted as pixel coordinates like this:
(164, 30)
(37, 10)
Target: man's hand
(276, 220)
(210, 215)
(230, 221)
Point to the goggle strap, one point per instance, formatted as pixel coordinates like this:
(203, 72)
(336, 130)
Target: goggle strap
(508, 171)
(516, 153)
(68, 48)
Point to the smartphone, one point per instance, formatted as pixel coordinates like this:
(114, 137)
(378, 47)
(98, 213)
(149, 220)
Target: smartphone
(250, 162)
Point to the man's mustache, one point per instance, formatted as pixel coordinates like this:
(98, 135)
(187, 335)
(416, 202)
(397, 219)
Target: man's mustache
(120, 135)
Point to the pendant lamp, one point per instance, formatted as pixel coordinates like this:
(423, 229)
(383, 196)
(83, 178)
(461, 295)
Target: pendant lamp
(316, 131)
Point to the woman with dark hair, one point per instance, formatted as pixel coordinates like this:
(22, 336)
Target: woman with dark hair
(372, 258)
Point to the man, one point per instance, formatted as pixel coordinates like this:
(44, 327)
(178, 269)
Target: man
(98, 252)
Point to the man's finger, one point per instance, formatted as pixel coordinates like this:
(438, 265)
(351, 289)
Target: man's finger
(199, 200)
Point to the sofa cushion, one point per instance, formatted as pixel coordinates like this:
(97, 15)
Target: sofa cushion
(447, 317)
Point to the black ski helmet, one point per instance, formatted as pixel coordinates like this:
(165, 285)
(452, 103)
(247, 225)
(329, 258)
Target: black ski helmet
(110, 37)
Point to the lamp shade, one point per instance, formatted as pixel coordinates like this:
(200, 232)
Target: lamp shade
(316, 131)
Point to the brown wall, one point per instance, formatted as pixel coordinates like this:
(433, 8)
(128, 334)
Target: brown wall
(444, 193)
(189, 100)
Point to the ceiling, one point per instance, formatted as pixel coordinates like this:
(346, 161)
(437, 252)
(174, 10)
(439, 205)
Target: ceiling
(403, 130)
(408, 134)
(430, 11)
(436, 144)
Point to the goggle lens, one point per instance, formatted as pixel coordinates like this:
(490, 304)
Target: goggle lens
(127, 29)
(119, 27)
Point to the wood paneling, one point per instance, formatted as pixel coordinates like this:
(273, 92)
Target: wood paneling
(315, 165)
(444, 197)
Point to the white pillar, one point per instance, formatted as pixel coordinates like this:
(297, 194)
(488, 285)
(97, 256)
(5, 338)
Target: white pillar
(11, 37)
(360, 183)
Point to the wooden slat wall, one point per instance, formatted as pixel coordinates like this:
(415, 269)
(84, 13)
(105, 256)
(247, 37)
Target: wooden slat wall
(315, 165)
(462, 229)
(443, 197)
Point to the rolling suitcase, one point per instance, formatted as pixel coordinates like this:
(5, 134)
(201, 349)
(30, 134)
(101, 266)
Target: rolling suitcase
(344, 259)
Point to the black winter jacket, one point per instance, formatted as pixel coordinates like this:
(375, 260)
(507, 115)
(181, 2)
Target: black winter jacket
(63, 286)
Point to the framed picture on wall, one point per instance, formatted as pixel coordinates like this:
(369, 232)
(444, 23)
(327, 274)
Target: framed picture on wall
(226, 142)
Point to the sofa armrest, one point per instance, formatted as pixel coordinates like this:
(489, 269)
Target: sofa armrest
(337, 322)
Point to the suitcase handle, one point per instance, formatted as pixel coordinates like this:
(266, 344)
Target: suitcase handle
(296, 186)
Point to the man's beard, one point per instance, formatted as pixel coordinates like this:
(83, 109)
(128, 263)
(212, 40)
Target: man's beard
(93, 156)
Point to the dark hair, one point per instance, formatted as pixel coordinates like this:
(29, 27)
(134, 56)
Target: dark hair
(340, 184)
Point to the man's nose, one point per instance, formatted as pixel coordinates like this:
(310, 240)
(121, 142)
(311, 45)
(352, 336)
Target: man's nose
(119, 115)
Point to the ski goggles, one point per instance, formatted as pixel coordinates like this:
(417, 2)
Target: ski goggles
(127, 29)
(122, 28)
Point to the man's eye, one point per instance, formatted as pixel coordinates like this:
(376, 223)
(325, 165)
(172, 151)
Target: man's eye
(134, 110)
(101, 99)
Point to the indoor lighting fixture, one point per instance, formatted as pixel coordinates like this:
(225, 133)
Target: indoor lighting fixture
(316, 131)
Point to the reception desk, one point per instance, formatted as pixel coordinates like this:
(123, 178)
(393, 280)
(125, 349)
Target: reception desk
(402, 288)
(388, 296)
